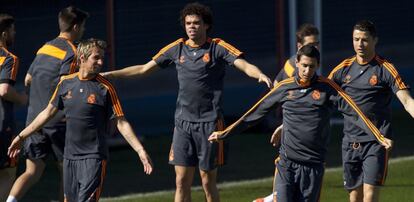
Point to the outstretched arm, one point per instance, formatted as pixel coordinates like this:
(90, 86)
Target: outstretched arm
(36, 124)
(252, 71)
(406, 99)
(252, 116)
(8, 92)
(126, 130)
(132, 71)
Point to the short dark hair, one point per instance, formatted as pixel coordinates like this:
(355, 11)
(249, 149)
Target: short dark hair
(70, 16)
(197, 9)
(310, 51)
(6, 22)
(304, 31)
(366, 26)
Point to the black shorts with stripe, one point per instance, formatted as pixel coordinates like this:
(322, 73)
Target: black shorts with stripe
(190, 146)
(83, 179)
(364, 162)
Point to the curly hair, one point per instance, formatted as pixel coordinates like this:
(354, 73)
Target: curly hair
(197, 9)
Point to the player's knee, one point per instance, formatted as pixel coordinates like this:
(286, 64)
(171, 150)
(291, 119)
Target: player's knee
(182, 183)
(356, 195)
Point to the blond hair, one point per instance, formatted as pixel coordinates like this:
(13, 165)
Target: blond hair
(85, 47)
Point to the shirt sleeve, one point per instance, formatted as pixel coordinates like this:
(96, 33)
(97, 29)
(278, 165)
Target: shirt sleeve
(392, 78)
(31, 68)
(166, 55)
(8, 71)
(227, 52)
(113, 103)
(348, 107)
(56, 99)
(266, 104)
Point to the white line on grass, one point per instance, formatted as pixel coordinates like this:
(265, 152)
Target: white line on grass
(236, 183)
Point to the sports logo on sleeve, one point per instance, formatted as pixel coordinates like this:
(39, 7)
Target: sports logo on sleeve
(206, 57)
(316, 95)
(373, 80)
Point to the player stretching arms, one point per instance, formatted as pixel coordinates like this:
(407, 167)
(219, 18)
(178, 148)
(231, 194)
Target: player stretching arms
(370, 80)
(53, 60)
(200, 62)
(306, 34)
(89, 101)
(307, 101)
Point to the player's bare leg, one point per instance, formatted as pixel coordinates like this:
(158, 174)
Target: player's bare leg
(32, 174)
(209, 182)
(371, 193)
(356, 195)
(7, 176)
(183, 179)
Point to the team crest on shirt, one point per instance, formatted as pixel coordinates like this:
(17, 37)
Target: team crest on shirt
(68, 95)
(316, 95)
(373, 80)
(92, 99)
(206, 57)
(182, 59)
(347, 78)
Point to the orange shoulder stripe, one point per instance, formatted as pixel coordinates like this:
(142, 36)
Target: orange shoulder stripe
(15, 66)
(167, 47)
(390, 67)
(289, 69)
(52, 51)
(112, 93)
(75, 58)
(283, 82)
(70, 76)
(343, 64)
(227, 46)
(349, 100)
(2, 59)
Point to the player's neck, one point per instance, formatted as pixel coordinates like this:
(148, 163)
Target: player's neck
(365, 59)
(85, 75)
(67, 36)
(197, 42)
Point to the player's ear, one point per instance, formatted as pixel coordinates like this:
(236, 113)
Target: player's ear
(3, 34)
(82, 58)
(75, 27)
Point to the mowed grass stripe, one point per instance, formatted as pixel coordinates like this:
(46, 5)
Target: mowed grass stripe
(398, 185)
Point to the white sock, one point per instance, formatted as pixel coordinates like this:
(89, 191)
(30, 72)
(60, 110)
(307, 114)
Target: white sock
(268, 198)
(11, 199)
